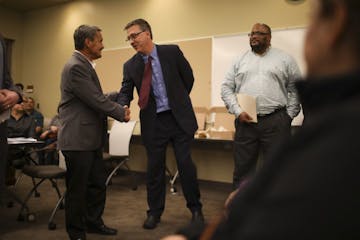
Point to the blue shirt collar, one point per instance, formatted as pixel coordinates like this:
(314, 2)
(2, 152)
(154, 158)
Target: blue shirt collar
(153, 54)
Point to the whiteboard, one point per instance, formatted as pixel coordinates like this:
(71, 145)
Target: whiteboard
(226, 48)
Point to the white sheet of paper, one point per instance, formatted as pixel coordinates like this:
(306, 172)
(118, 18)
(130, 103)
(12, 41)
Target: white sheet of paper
(248, 104)
(21, 140)
(4, 115)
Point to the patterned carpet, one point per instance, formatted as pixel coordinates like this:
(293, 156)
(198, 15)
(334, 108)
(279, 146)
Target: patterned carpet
(125, 210)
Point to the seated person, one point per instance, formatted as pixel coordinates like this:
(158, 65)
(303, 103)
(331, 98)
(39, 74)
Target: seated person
(19, 124)
(20, 86)
(29, 107)
(50, 138)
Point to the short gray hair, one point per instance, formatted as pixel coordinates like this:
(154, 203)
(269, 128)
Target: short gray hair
(83, 32)
(142, 23)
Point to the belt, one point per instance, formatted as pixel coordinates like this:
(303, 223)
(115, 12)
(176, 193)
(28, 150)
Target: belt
(273, 112)
(164, 112)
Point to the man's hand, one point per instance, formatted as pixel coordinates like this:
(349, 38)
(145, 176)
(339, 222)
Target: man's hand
(174, 237)
(8, 99)
(244, 117)
(127, 113)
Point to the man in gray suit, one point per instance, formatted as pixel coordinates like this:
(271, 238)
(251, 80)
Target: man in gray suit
(83, 112)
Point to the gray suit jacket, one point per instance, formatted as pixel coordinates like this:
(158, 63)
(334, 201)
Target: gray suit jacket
(83, 108)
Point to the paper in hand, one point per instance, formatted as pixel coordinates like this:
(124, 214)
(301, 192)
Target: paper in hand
(248, 104)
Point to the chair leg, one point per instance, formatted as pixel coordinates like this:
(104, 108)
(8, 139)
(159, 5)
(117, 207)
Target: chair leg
(18, 179)
(113, 172)
(24, 206)
(14, 196)
(54, 185)
(133, 175)
(36, 193)
(172, 181)
(59, 204)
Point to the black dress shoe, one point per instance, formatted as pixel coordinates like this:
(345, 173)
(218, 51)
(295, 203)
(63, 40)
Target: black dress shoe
(77, 238)
(151, 222)
(102, 230)
(197, 216)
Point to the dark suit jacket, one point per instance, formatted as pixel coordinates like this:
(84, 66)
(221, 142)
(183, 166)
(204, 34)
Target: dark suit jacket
(7, 81)
(83, 107)
(179, 81)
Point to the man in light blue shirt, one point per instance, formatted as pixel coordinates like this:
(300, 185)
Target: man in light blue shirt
(269, 75)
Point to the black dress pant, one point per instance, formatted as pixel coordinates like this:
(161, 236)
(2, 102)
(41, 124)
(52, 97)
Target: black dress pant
(86, 191)
(3, 159)
(168, 131)
(250, 138)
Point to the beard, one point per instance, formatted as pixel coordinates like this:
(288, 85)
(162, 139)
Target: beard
(260, 48)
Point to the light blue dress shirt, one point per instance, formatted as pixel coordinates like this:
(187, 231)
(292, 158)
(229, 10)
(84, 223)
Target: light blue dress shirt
(158, 83)
(270, 78)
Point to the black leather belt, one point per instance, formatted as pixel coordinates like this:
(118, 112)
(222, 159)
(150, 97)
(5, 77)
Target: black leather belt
(275, 111)
(164, 112)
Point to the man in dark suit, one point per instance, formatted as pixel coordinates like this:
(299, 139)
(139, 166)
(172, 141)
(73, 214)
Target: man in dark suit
(166, 116)
(83, 111)
(9, 96)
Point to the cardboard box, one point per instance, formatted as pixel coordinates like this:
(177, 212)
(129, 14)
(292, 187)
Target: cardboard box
(225, 135)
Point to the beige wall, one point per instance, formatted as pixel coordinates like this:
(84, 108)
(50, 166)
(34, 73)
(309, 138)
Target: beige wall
(47, 33)
(44, 40)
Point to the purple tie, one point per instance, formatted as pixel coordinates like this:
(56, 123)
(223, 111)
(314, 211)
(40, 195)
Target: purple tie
(145, 85)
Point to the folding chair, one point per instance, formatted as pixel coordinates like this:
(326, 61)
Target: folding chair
(21, 153)
(60, 202)
(119, 143)
(28, 156)
(42, 172)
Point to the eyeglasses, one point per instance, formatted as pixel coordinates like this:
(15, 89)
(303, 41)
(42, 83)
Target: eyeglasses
(257, 34)
(133, 36)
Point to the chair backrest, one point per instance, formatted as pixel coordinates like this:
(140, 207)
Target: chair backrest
(119, 137)
(62, 163)
(201, 114)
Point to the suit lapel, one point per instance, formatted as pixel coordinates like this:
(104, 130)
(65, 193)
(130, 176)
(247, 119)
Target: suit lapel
(94, 76)
(138, 69)
(163, 63)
